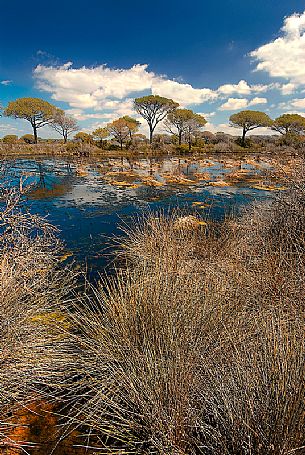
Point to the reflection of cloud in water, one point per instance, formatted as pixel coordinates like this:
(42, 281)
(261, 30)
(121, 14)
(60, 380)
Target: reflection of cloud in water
(230, 191)
(93, 191)
(98, 194)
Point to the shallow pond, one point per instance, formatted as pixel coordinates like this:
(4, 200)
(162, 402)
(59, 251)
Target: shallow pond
(89, 200)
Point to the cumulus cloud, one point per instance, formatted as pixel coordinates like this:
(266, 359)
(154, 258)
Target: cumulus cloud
(112, 109)
(285, 56)
(101, 94)
(291, 106)
(257, 100)
(229, 129)
(288, 89)
(298, 103)
(101, 87)
(233, 104)
(220, 127)
(80, 114)
(184, 94)
(207, 115)
(242, 88)
(90, 87)
(6, 82)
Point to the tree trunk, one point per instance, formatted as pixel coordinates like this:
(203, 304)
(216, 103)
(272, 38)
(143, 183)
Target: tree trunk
(35, 134)
(243, 139)
(180, 137)
(151, 131)
(190, 143)
(121, 143)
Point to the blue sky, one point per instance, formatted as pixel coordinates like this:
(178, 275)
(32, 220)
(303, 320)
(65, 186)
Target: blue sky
(92, 58)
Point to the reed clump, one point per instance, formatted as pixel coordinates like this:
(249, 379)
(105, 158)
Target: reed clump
(196, 345)
(32, 292)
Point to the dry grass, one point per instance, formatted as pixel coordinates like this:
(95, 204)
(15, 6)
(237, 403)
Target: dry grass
(196, 346)
(31, 292)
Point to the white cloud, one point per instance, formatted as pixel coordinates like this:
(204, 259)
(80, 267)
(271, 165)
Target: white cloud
(184, 94)
(96, 87)
(228, 129)
(233, 104)
(288, 89)
(89, 87)
(102, 94)
(257, 100)
(298, 103)
(292, 106)
(80, 114)
(285, 56)
(8, 128)
(102, 87)
(242, 88)
(221, 127)
(113, 109)
(6, 82)
(207, 115)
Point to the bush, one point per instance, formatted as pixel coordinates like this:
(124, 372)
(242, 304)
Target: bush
(182, 149)
(73, 147)
(10, 139)
(248, 142)
(28, 139)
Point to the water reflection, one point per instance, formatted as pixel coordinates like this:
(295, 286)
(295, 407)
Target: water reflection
(88, 200)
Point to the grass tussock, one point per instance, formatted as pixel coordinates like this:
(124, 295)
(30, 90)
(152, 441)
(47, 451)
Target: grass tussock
(31, 293)
(196, 346)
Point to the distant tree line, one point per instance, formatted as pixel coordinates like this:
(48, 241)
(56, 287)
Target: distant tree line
(183, 124)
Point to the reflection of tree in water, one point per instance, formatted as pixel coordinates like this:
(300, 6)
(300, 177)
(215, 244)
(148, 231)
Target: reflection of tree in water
(49, 184)
(56, 190)
(148, 193)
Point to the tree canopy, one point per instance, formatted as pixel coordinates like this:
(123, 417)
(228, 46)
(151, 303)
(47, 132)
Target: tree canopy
(120, 129)
(184, 122)
(176, 121)
(132, 124)
(192, 126)
(154, 109)
(100, 134)
(249, 120)
(83, 137)
(63, 124)
(35, 110)
(289, 124)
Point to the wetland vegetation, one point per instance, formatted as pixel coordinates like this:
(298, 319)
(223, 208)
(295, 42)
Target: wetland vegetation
(152, 288)
(191, 342)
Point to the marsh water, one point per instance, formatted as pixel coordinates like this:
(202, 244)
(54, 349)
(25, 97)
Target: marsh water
(88, 200)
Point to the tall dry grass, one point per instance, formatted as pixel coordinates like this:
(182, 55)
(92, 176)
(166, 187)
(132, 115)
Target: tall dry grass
(196, 346)
(32, 290)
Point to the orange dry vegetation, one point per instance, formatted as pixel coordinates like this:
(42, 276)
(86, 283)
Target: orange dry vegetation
(34, 429)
